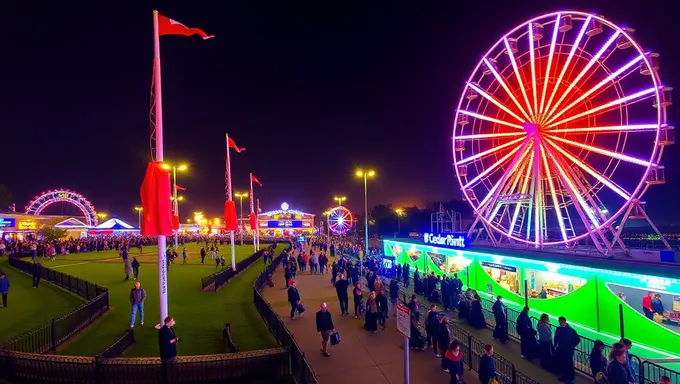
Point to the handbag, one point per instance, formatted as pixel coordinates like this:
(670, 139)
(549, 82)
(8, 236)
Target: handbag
(300, 308)
(335, 338)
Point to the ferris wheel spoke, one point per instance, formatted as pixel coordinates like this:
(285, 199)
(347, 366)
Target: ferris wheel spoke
(505, 87)
(553, 194)
(489, 135)
(493, 167)
(584, 71)
(489, 151)
(532, 57)
(495, 102)
(518, 75)
(584, 27)
(609, 129)
(592, 172)
(556, 29)
(501, 184)
(635, 97)
(607, 81)
(490, 119)
(524, 190)
(604, 152)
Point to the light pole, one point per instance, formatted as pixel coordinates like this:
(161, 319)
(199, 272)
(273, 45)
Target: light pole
(175, 199)
(365, 174)
(241, 196)
(400, 213)
(339, 200)
(328, 223)
(139, 215)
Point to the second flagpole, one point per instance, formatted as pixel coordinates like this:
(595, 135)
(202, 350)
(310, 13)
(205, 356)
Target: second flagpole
(228, 196)
(252, 210)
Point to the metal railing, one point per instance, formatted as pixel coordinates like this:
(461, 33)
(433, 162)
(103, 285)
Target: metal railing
(228, 339)
(119, 346)
(215, 281)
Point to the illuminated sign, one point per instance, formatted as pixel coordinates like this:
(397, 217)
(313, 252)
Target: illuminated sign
(27, 224)
(284, 206)
(7, 223)
(449, 240)
(62, 195)
(502, 267)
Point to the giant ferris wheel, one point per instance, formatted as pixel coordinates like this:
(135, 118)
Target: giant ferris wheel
(560, 131)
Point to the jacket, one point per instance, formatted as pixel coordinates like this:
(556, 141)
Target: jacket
(487, 369)
(443, 338)
(341, 288)
(4, 285)
(137, 296)
(454, 363)
(566, 339)
(432, 321)
(616, 373)
(394, 289)
(324, 322)
(597, 362)
(37, 270)
(168, 348)
(293, 295)
(381, 301)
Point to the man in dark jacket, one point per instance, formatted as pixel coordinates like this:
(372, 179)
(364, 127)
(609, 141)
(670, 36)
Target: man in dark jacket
(432, 327)
(37, 274)
(566, 340)
(324, 325)
(383, 308)
(341, 289)
(500, 332)
(137, 298)
(4, 288)
(527, 334)
(167, 341)
(394, 295)
(293, 299)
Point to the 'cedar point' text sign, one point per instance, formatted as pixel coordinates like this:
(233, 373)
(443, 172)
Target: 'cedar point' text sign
(448, 240)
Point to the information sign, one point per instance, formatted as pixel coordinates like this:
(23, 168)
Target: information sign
(404, 320)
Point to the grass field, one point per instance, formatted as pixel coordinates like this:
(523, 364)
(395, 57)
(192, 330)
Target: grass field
(200, 316)
(30, 308)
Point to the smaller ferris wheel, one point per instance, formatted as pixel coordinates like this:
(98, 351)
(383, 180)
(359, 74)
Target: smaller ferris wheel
(340, 220)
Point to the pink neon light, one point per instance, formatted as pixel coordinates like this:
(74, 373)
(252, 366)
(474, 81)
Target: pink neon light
(519, 77)
(495, 102)
(603, 152)
(500, 80)
(556, 29)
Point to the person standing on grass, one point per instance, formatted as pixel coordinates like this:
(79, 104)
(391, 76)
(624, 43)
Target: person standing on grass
(167, 341)
(4, 288)
(324, 325)
(137, 298)
(184, 255)
(37, 274)
(202, 255)
(135, 267)
(128, 269)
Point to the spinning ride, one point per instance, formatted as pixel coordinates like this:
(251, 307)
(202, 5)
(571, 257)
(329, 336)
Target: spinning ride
(340, 220)
(46, 199)
(560, 130)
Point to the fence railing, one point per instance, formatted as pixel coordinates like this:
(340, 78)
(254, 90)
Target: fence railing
(119, 346)
(215, 281)
(646, 372)
(228, 339)
(55, 332)
(301, 370)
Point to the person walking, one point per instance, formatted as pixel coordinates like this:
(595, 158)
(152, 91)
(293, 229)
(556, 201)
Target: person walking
(37, 274)
(128, 269)
(394, 295)
(167, 341)
(293, 299)
(324, 325)
(545, 343)
(566, 340)
(341, 286)
(432, 327)
(4, 288)
(383, 308)
(135, 268)
(487, 366)
(137, 298)
(527, 334)
(500, 332)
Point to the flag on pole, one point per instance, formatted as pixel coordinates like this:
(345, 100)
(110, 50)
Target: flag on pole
(167, 26)
(232, 145)
(180, 188)
(255, 180)
(253, 221)
(156, 207)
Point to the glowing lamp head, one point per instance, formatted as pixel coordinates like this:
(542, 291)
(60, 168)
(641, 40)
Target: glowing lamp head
(182, 167)
(138, 208)
(166, 167)
(371, 173)
(359, 173)
(284, 206)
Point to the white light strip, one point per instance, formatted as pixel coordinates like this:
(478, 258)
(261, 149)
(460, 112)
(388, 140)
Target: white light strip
(610, 129)
(495, 102)
(556, 29)
(488, 151)
(518, 76)
(505, 87)
(604, 152)
(491, 119)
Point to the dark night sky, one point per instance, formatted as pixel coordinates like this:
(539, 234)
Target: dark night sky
(311, 90)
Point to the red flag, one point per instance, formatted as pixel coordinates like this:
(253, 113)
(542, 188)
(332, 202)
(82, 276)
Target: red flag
(175, 222)
(180, 188)
(156, 208)
(168, 26)
(255, 180)
(230, 218)
(253, 221)
(232, 144)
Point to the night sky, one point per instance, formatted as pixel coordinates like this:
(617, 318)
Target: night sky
(312, 91)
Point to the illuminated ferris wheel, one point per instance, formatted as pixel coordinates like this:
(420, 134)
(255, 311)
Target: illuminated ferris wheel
(560, 130)
(340, 220)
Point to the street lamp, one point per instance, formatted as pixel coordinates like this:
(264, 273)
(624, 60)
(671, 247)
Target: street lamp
(339, 200)
(400, 213)
(139, 214)
(328, 222)
(241, 196)
(102, 215)
(175, 199)
(365, 174)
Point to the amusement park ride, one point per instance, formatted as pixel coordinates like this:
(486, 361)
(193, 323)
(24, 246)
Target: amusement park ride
(46, 199)
(559, 133)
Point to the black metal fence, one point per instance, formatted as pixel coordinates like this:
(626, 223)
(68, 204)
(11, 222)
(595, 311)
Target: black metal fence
(49, 336)
(301, 370)
(228, 339)
(119, 346)
(646, 372)
(215, 281)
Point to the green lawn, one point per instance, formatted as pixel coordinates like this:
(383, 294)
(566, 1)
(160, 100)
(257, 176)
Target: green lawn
(200, 316)
(29, 308)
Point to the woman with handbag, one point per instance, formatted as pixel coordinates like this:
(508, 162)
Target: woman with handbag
(371, 323)
(324, 325)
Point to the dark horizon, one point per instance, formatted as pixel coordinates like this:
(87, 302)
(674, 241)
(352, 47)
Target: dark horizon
(312, 92)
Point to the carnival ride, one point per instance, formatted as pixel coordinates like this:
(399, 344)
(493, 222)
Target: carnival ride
(340, 220)
(560, 131)
(46, 199)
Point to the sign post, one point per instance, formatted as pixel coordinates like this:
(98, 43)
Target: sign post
(404, 326)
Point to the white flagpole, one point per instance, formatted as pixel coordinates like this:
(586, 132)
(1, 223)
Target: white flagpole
(257, 223)
(162, 260)
(228, 186)
(252, 210)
